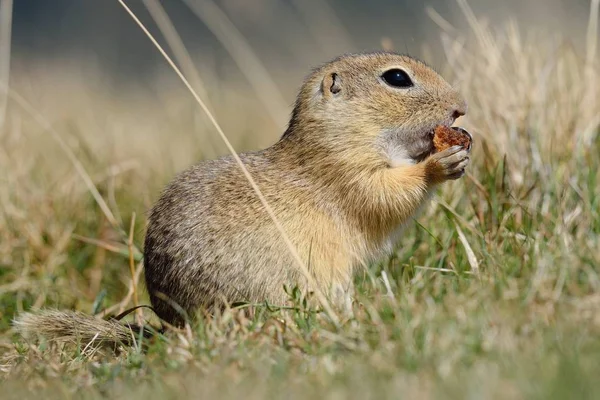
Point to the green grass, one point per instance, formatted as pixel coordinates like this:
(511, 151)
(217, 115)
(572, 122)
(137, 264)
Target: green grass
(519, 319)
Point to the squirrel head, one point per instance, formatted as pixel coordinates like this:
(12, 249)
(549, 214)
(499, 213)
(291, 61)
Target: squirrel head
(383, 102)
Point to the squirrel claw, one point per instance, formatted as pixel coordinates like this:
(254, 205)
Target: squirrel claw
(449, 164)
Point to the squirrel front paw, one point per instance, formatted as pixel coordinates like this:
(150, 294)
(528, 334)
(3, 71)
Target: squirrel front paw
(446, 165)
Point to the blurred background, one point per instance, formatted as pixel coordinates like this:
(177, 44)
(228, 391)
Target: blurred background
(290, 33)
(261, 48)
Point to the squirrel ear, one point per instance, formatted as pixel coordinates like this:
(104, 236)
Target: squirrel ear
(331, 85)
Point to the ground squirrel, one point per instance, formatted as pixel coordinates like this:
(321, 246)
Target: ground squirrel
(355, 163)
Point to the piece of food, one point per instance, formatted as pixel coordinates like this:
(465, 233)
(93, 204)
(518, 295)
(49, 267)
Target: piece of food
(445, 137)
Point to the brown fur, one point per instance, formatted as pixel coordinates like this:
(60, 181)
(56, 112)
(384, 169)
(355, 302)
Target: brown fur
(329, 179)
(353, 166)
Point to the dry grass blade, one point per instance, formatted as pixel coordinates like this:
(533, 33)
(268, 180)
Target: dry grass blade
(435, 269)
(241, 53)
(319, 294)
(89, 183)
(166, 27)
(112, 247)
(139, 311)
(326, 27)
(120, 307)
(388, 287)
(590, 100)
(592, 33)
(480, 33)
(458, 217)
(15, 286)
(158, 13)
(6, 9)
(470, 254)
(439, 20)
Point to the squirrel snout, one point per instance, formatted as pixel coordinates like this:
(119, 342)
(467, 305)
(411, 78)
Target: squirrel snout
(458, 112)
(458, 109)
(455, 104)
(458, 106)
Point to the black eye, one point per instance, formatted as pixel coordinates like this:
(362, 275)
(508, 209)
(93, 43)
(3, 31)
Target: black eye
(397, 78)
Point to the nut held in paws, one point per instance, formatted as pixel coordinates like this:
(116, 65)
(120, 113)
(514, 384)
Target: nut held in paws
(445, 137)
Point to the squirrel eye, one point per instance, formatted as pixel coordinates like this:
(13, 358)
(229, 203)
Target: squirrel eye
(397, 78)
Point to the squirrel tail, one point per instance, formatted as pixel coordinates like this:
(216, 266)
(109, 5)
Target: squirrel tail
(77, 327)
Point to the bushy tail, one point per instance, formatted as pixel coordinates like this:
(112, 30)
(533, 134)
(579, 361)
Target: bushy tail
(76, 327)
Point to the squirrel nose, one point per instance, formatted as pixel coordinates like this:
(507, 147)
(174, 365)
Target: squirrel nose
(458, 113)
(458, 107)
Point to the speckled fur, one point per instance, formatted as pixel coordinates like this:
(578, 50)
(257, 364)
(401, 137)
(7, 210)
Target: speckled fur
(334, 181)
(351, 169)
